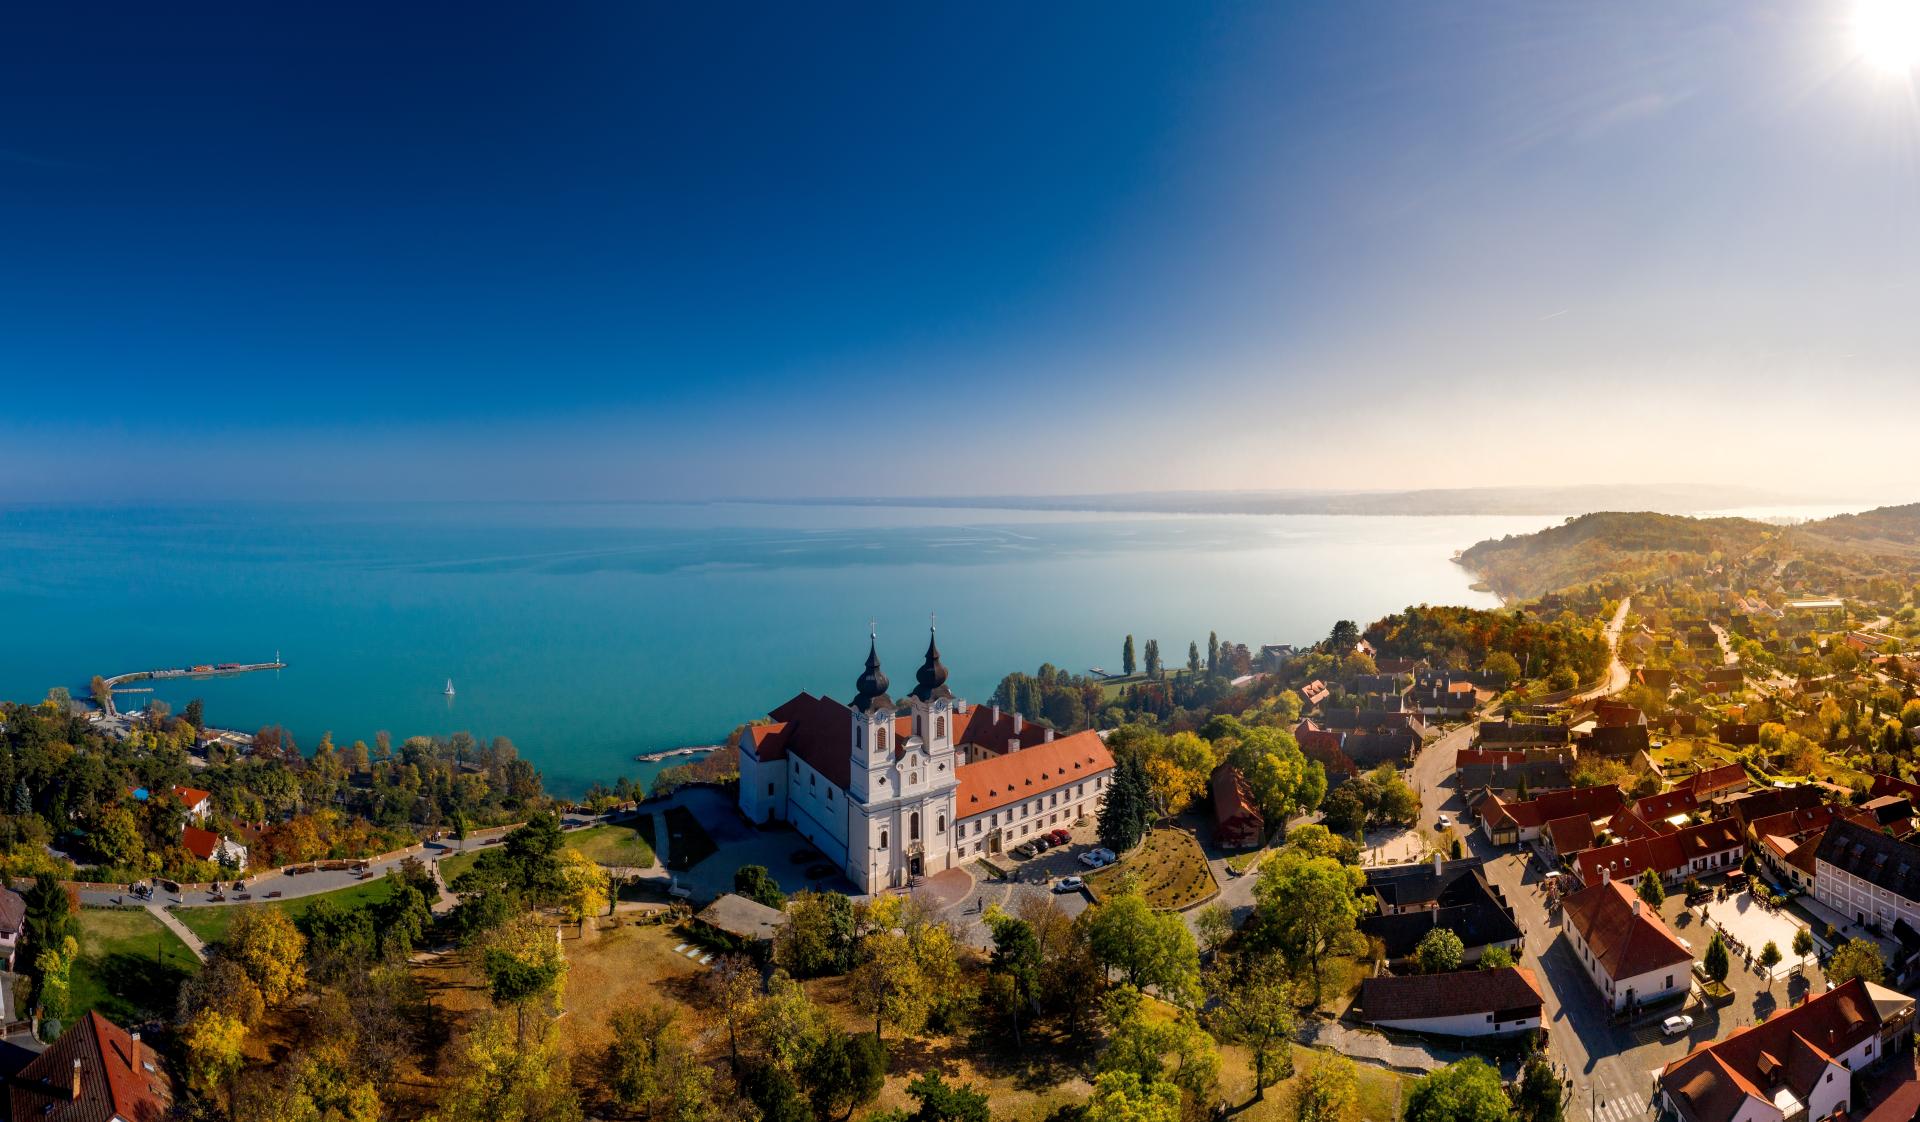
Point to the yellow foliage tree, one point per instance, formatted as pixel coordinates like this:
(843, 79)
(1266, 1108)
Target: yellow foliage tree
(212, 1042)
(499, 1076)
(583, 890)
(271, 950)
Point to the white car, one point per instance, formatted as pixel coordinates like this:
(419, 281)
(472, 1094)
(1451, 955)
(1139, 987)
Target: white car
(1068, 884)
(1096, 858)
(1674, 1026)
(1443, 822)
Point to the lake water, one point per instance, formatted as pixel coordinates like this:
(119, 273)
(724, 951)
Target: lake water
(589, 633)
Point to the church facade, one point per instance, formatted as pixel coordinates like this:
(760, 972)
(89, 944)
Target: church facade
(895, 790)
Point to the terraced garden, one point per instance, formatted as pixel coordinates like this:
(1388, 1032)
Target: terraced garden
(1169, 868)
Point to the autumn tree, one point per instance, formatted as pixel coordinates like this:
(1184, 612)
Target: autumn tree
(1465, 1091)
(271, 950)
(524, 968)
(1856, 958)
(1439, 951)
(1147, 947)
(1308, 904)
(1253, 1006)
(1328, 1091)
(502, 1073)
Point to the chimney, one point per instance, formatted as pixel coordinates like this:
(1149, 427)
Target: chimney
(1018, 721)
(1013, 745)
(1638, 904)
(1606, 874)
(1046, 736)
(76, 1080)
(996, 712)
(1436, 864)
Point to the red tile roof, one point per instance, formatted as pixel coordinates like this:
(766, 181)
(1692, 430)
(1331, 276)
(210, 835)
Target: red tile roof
(200, 843)
(1594, 802)
(1001, 780)
(1794, 1047)
(1626, 937)
(1667, 854)
(1727, 777)
(1571, 834)
(191, 796)
(114, 1080)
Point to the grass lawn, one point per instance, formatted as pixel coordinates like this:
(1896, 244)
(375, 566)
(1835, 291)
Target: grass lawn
(687, 841)
(210, 921)
(131, 965)
(1244, 863)
(1169, 867)
(628, 843)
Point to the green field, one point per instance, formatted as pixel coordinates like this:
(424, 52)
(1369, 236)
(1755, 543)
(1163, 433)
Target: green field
(210, 921)
(130, 965)
(628, 843)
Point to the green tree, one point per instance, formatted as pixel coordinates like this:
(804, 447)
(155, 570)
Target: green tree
(1016, 957)
(195, 713)
(1329, 1091)
(1502, 666)
(1193, 658)
(1343, 638)
(1253, 1005)
(1154, 668)
(1717, 962)
(941, 1102)
(1495, 958)
(1149, 948)
(644, 1054)
(1308, 903)
(1128, 807)
(755, 883)
(1465, 1091)
(1856, 958)
(844, 1072)
(818, 937)
(54, 965)
(1126, 657)
(1541, 1096)
(1769, 958)
(1803, 945)
(1121, 1096)
(1213, 660)
(1651, 890)
(1439, 951)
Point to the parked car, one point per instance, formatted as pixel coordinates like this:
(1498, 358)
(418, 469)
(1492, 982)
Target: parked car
(1096, 858)
(1442, 822)
(1060, 837)
(1674, 1026)
(1068, 884)
(1041, 844)
(1024, 850)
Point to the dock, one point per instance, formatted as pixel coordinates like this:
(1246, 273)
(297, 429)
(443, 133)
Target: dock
(670, 753)
(115, 684)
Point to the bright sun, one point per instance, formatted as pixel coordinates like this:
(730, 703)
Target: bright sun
(1887, 33)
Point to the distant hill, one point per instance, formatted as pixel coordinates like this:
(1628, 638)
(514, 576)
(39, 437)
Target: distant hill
(1826, 556)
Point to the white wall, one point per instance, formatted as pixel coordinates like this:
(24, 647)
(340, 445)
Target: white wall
(1851, 896)
(1023, 820)
(1465, 1024)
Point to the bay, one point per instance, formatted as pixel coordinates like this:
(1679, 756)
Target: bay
(588, 633)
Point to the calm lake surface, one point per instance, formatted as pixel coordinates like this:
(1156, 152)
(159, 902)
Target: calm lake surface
(588, 633)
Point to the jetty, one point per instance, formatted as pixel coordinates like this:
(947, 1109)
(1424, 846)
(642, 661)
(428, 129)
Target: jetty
(670, 753)
(116, 684)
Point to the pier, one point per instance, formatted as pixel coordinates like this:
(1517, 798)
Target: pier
(670, 753)
(211, 670)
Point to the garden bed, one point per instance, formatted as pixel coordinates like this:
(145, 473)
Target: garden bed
(1169, 867)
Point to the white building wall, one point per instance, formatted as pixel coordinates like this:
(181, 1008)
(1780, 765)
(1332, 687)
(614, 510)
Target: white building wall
(1021, 821)
(1646, 987)
(763, 788)
(1465, 1024)
(817, 809)
(1851, 896)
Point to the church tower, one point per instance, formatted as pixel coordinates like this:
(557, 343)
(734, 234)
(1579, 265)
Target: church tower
(872, 732)
(931, 704)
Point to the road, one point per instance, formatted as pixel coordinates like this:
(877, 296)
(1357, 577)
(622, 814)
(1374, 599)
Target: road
(1616, 670)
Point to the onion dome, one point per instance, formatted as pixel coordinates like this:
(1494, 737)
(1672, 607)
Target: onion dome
(932, 676)
(872, 683)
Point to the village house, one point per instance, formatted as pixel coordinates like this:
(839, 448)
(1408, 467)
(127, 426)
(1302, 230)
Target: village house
(1508, 734)
(1510, 823)
(1866, 875)
(1415, 899)
(1458, 1003)
(13, 923)
(1710, 847)
(199, 803)
(748, 923)
(1237, 823)
(1534, 776)
(891, 796)
(1631, 956)
(95, 1072)
(209, 846)
(1800, 1063)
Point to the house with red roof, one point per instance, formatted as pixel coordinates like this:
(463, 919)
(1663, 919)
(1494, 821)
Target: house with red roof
(1508, 822)
(1801, 1063)
(209, 846)
(95, 1072)
(1625, 948)
(1237, 823)
(1709, 847)
(199, 803)
(895, 790)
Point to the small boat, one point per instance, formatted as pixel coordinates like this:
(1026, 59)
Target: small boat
(449, 689)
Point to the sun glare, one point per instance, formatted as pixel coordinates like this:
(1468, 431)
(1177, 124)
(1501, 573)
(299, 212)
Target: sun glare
(1887, 33)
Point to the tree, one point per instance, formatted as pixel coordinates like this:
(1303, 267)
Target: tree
(1343, 638)
(212, 1042)
(1149, 948)
(1128, 807)
(1856, 958)
(1716, 961)
(1121, 1096)
(847, 1070)
(1651, 890)
(1193, 658)
(1126, 657)
(1309, 904)
(1016, 957)
(524, 967)
(732, 989)
(1214, 926)
(1502, 666)
(642, 1056)
(271, 950)
(818, 937)
(1154, 667)
(50, 912)
(1541, 1096)
(787, 1026)
(54, 965)
(195, 713)
(1495, 958)
(941, 1102)
(502, 1075)
(755, 883)
(1439, 951)
(1213, 659)
(1141, 1041)
(1254, 1007)
(102, 696)
(1329, 1091)
(1803, 945)
(1177, 770)
(1465, 1091)
(1769, 958)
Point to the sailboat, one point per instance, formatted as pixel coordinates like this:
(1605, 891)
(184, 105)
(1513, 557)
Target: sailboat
(449, 689)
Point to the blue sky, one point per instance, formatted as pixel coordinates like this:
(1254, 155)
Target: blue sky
(647, 250)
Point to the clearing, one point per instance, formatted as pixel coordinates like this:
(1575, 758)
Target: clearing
(131, 965)
(627, 844)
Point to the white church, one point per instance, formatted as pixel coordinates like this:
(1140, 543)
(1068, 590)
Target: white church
(897, 790)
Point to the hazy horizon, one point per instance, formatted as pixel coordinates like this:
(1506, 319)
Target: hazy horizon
(656, 253)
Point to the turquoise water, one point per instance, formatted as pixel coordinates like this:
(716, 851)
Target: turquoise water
(588, 633)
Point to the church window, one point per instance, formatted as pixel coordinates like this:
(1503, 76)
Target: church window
(880, 739)
(913, 826)
(941, 825)
(883, 839)
(769, 788)
(939, 728)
